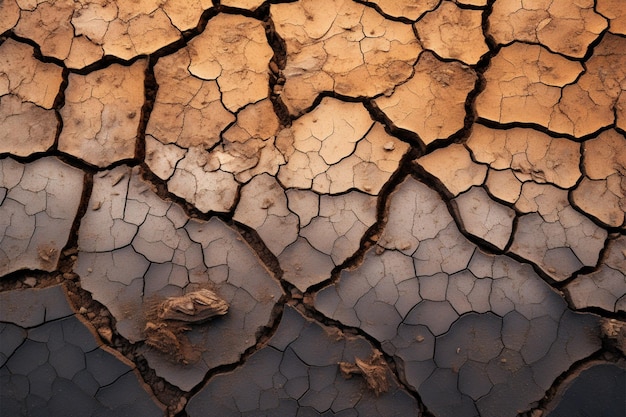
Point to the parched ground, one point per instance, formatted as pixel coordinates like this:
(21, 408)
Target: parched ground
(316, 207)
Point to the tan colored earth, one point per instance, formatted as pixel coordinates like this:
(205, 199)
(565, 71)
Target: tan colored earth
(313, 207)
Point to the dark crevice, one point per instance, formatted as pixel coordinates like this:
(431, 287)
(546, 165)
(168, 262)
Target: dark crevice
(150, 93)
(37, 50)
(18, 280)
(261, 250)
(332, 94)
(276, 66)
(600, 312)
(69, 252)
(59, 102)
(465, 6)
(504, 126)
(105, 62)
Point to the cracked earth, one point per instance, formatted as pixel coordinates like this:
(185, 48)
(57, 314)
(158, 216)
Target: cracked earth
(329, 207)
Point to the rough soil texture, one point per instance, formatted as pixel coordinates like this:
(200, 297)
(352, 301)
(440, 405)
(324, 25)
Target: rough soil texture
(316, 207)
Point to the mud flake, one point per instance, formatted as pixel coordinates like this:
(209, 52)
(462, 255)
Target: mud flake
(453, 33)
(465, 172)
(97, 122)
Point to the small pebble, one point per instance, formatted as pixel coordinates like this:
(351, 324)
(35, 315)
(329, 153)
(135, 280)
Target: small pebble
(106, 333)
(30, 281)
